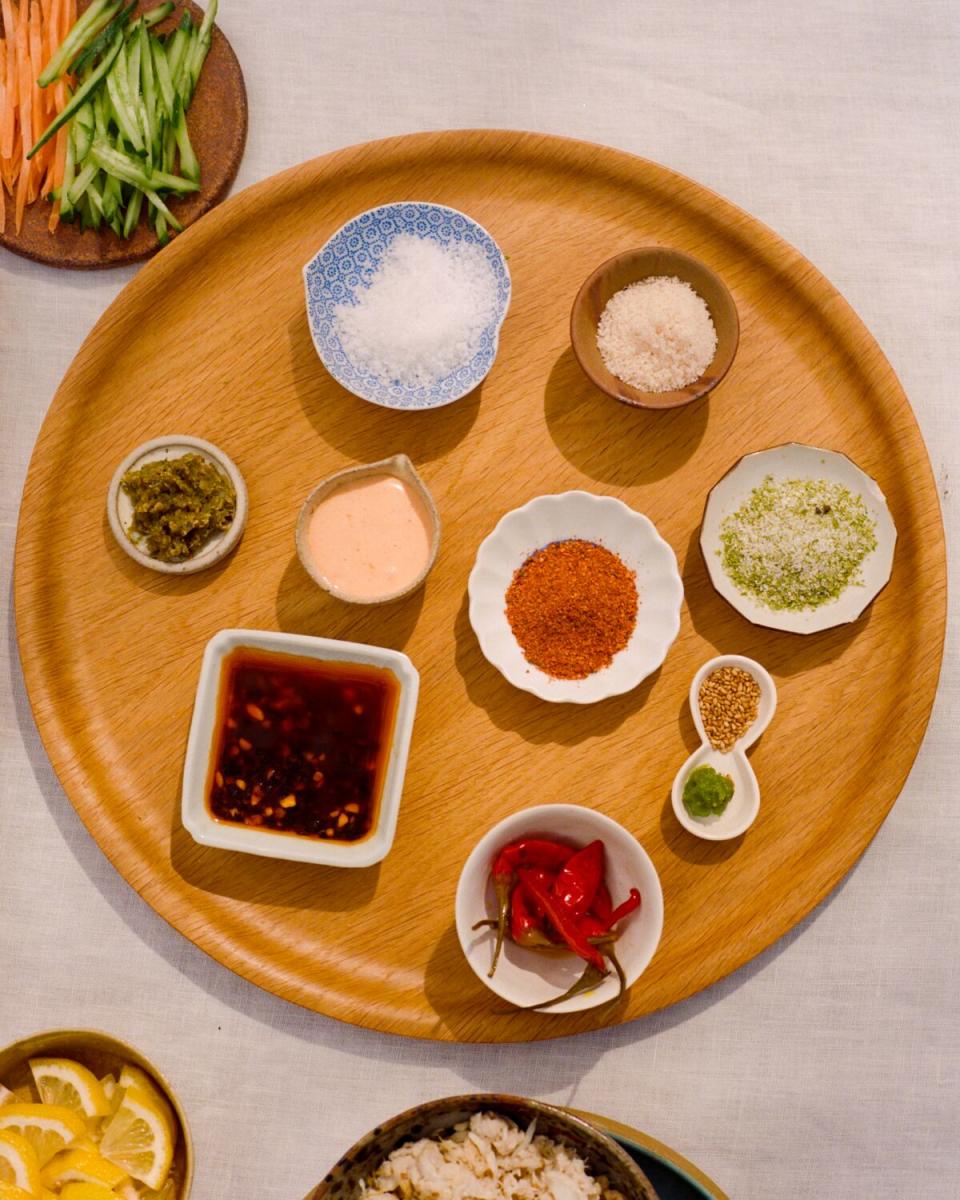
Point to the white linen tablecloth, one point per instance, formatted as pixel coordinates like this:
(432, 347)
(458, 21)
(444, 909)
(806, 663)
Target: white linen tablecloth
(830, 1066)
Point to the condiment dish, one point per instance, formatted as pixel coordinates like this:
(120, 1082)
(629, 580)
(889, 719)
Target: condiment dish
(632, 266)
(102, 1054)
(398, 465)
(206, 829)
(120, 509)
(796, 461)
(347, 262)
(609, 523)
(435, 1118)
(526, 977)
(744, 805)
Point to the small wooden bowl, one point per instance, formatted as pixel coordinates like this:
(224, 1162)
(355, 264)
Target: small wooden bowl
(630, 267)
(100, 1053)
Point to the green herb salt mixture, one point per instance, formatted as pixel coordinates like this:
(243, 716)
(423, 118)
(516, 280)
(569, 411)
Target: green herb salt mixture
(797, 543)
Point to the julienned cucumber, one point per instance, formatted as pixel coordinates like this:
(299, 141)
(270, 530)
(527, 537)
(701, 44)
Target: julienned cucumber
(93, 81)
(128, 144)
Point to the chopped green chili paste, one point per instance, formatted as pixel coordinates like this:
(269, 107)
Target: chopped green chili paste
(178, 505)
(706, 792)
(797, 543)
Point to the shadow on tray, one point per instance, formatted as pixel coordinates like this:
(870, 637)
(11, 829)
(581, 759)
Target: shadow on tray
(364, 431)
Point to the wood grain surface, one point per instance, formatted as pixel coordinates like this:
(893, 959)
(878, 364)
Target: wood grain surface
(211, 339)
(217, 124)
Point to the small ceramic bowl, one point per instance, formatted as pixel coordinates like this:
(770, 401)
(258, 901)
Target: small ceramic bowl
(438, 1118)
(348, 262)
(610, 523)
(120, 510)
(398, 465)
(744, 805)
(630, 267)
(527, 977)
(103, 1055)
(796, 461)
(204, 828)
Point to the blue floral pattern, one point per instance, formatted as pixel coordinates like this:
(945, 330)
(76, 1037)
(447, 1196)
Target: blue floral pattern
(349, 260)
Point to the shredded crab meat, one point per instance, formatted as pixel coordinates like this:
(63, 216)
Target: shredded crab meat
(487, 1158)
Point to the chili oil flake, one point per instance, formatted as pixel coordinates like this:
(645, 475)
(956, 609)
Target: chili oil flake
(303, 745)
(797, 543)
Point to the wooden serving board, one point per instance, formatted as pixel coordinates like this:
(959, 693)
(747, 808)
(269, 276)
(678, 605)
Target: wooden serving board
(211, 339)
(217, 124)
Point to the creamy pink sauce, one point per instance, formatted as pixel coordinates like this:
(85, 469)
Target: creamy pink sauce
(370, 538)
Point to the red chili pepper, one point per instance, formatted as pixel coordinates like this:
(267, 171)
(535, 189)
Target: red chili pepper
(564, 922)
(624, 909)
(537, 853)
(602, 907)
(526, 926)
(579, 878)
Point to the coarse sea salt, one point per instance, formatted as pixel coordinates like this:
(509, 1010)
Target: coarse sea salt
(423, 313)
(657, 334)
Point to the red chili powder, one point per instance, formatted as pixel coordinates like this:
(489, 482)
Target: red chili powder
(572, 606)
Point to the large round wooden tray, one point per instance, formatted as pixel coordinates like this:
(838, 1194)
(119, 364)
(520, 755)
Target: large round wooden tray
(211, 339)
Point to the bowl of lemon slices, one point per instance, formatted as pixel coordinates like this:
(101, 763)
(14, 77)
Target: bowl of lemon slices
(84, 1116)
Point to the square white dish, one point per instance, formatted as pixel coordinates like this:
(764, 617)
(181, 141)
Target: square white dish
(204, 828)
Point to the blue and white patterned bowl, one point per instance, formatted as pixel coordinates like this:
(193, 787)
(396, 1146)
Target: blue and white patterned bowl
(349, 260)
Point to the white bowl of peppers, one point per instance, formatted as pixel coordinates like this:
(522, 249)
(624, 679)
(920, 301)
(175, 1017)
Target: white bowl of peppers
(559, 909)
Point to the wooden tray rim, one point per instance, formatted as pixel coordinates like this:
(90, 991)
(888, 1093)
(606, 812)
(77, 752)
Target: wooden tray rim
(360, 156)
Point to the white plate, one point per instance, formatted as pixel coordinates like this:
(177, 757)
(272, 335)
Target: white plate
(120, 508)
(744, 805)
(527, 977)
(795, 461)
(227, 835)
(609, 523)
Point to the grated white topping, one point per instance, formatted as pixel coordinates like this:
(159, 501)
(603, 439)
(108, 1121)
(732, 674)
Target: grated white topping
(657, 335)
(422, 314)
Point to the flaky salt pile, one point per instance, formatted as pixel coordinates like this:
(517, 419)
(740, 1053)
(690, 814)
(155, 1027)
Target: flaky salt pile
(423, 313)
(657, 334)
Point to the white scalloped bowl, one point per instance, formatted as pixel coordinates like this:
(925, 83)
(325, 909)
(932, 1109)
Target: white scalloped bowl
(610, 523)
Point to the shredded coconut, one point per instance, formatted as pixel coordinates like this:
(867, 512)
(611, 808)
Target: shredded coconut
(422, 314)
(490, 1158)
(657, 334)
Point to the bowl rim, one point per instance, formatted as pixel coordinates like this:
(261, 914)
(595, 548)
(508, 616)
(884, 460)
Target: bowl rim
(496, 325)
(220, 547)
(401, 467)
(533, 817)
(122, 1048)
(478, 1102)
(208, 831)
(625, 393)
(532, 683)
(772, 622)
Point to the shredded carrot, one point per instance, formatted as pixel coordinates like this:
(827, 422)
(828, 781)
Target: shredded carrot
(32, 30)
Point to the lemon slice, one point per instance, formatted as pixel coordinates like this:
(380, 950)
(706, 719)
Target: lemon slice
(6, 1096)
(81, 1166)
(139, 1138)
(87, 1191)
(18, 1162)
(132, 1076)
(47, 1127)
(10, 1191)
(65, 1082)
